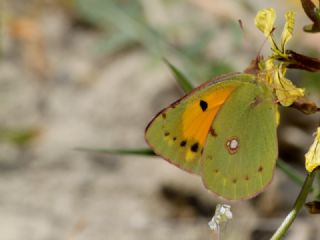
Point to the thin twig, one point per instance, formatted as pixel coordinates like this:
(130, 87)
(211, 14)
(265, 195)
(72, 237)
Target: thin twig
(309, 7)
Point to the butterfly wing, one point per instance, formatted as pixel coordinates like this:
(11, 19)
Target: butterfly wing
(179, 132)
(238, 161)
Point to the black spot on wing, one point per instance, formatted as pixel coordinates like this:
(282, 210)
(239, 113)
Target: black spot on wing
(183, 143)
(195, 147)
(166, 134)
(203, 105)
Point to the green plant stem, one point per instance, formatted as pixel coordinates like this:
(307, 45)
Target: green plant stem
(282, 230)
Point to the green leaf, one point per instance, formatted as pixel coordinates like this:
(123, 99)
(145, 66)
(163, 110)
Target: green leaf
(183, 81)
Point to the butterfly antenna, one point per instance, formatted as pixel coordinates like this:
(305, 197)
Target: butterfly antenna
(241, 25)
(252, 68)
(245, 44)
(254, 65)
(264, 42)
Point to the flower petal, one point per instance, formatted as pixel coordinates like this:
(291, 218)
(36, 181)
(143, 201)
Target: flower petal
(221, 216)
(265, 20)
(313, 155)
(288, 29)
(213, 225)
(286, 91)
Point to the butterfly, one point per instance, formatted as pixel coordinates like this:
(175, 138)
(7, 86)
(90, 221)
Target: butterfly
(225, 130)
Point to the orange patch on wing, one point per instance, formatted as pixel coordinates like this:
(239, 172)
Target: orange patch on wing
(196, 121)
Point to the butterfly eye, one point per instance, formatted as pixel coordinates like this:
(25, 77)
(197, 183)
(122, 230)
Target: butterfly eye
(232, 145)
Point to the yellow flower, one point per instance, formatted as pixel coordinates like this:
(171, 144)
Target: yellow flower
(222, 215)
(313, 155)
(274, 76)
(265, 23)
(286, 91)
(267, 68)
(288, 29)
(274, 73)
(265, 20)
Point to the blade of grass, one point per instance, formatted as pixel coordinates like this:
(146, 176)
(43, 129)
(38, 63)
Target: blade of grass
(292, 173)
(136, 151)
(108, 12)
(113, 44)
(182, 80)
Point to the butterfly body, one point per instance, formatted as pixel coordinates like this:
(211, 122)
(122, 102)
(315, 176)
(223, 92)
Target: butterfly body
(224, 131)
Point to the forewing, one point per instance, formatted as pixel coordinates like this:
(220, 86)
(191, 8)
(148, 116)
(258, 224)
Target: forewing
(179, 132)
(239, 159)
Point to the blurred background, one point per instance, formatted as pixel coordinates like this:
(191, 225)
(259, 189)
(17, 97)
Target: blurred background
(90, 73)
